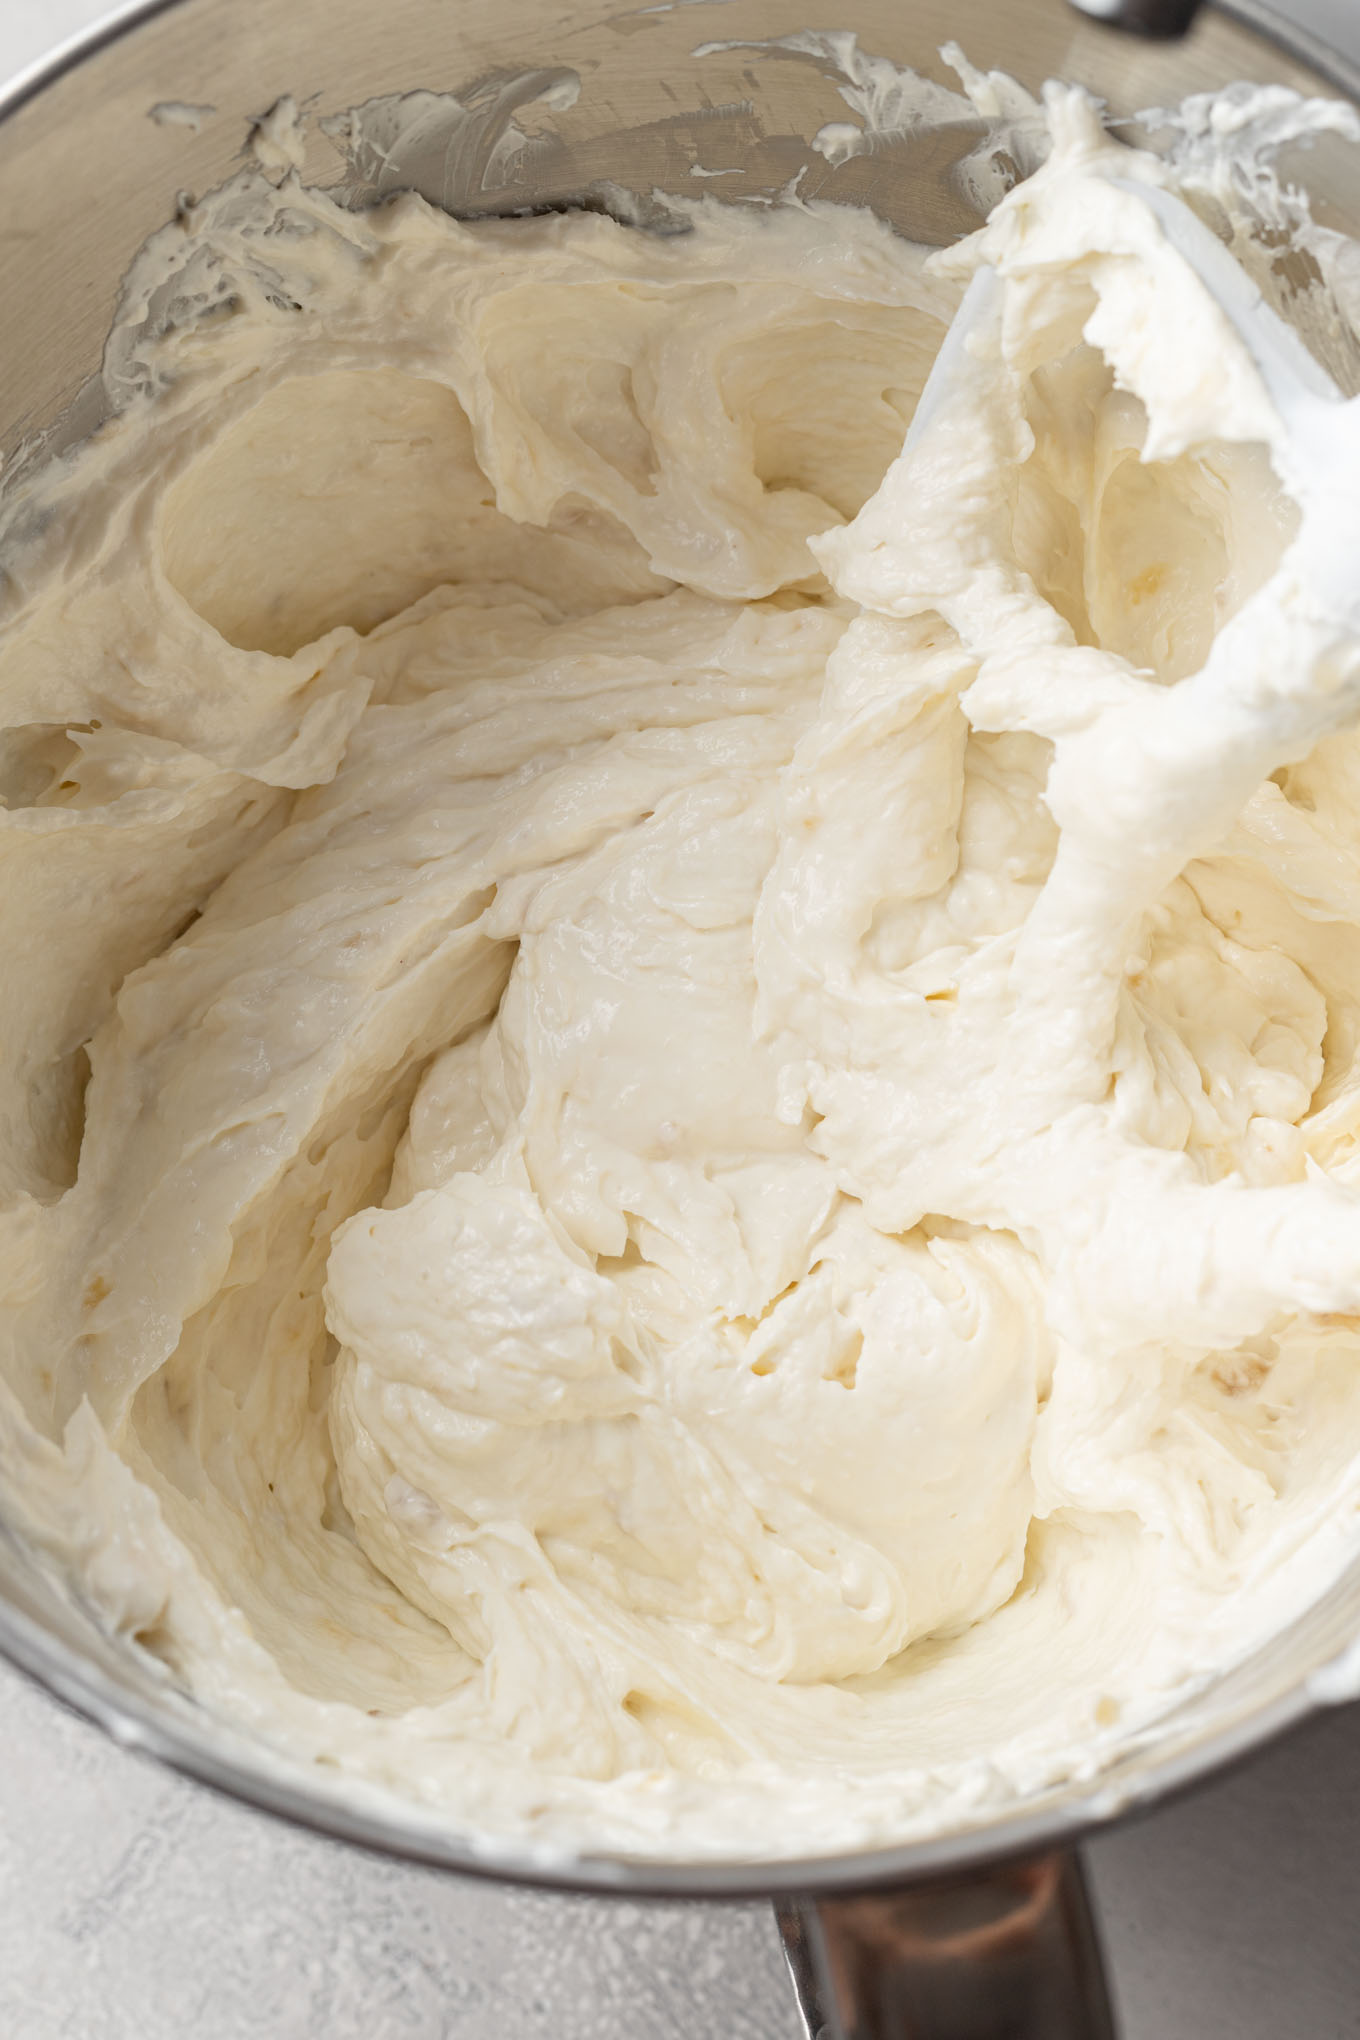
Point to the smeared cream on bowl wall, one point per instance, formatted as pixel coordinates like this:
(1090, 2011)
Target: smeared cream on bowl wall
(714, 1210)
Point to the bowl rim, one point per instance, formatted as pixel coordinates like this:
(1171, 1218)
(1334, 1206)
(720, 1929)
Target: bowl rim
(281, 1788)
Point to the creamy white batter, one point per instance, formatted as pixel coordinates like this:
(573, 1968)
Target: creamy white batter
(716, 1203)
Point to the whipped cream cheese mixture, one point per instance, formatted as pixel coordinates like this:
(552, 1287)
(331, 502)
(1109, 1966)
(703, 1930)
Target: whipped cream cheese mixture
(681, 1089)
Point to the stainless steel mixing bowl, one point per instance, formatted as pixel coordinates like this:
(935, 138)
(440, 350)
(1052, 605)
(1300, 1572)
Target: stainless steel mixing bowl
(984, 1931)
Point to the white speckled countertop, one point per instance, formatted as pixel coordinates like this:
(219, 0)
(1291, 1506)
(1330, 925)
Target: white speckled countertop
(134, 1906)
